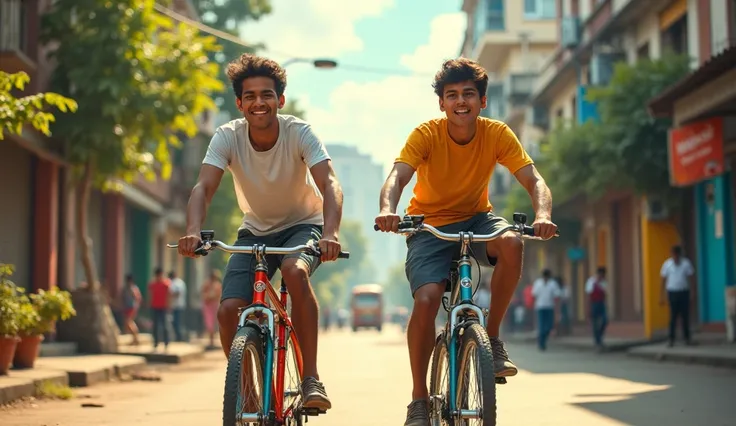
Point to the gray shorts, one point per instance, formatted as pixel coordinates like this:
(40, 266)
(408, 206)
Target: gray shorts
(239, 273)
(428, 258)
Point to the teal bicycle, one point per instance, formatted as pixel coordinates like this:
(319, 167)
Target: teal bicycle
(462, 385)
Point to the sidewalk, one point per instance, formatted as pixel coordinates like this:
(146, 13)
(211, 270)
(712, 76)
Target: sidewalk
(76, 370)
(611, 343)
(708, 353)
(176, 353)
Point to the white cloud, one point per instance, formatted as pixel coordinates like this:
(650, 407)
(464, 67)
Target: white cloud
(311, 28)
(377, 116)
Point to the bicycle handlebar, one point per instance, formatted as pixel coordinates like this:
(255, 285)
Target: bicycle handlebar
(209, 244)
(411, 224)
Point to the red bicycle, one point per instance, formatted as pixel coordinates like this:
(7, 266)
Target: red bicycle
(252, 394)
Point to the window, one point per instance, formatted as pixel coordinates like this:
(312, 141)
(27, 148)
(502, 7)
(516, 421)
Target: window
(642, 53)
(674, 38)
(495, 15)
(540, 9)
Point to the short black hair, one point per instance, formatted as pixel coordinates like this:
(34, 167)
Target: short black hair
(547, 273)
(677, 250)
(460, 70)
(602, 270)
(158, 271)
(249, 65)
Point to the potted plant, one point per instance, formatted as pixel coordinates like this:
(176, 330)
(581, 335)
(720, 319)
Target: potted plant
(9, 307)
(38, 314)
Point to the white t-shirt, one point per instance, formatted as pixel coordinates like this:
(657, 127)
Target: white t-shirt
(180, 300)
(591, 282)
(676, 275)
(545, 293)
(275, 188)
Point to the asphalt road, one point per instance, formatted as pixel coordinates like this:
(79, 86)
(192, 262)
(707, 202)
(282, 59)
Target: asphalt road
(367, 376)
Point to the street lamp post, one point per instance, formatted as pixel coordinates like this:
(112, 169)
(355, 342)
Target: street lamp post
(321, 63)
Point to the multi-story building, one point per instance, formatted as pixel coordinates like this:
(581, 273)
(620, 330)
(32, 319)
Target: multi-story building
(511, 40)
(628, 234)
(703, 108)
(38, 233)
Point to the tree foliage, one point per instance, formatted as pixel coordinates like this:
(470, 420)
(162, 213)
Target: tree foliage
(141, 81)
(626, 149)
(228, 16)
(332, 280)
(397, 289)
(292, 108)
(144, 87)
(17, 112)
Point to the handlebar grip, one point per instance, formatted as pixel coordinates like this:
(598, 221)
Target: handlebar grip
(344, 255)
(201, 251)
(528, 231)
(406, 224)
(376, 228)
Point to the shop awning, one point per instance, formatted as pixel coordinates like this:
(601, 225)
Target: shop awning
(663, 104)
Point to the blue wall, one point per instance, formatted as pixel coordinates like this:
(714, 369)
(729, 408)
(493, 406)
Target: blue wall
(715, 252)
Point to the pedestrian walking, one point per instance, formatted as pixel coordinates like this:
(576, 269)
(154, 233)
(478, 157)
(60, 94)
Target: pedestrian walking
(210, 294)
(546, 292)
(596, 288)
(159, 291)
(677, 281)
(131, 296)
(178, 305)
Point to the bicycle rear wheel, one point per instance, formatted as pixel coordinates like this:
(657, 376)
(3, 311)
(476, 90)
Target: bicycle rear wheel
(439, 385)
(292, 382)
(244, 377)
(476, 390)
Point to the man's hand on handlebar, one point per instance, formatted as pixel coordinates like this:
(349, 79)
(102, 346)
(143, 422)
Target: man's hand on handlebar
(388, 222)
(544, 228)
(188, 244)
(330, 248)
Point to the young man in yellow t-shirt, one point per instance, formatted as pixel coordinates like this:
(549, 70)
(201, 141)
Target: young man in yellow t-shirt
(454, 157)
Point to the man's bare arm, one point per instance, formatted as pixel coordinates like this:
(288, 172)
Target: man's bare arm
(541, 196)
(201, 196)
(391, 191)
(326, 180)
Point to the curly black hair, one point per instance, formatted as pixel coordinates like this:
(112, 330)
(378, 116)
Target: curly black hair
(460, 70)
(249, 65)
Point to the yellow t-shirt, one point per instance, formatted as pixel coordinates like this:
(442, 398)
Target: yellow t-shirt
(452, 179)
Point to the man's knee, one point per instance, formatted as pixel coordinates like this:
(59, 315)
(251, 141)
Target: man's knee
(509, 248)
(227, 313)
(296, 275)
(428, 297)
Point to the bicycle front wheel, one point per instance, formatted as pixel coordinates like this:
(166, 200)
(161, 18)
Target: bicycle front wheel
(476, 396)
(244, 378)
(439, 385)
(292, 382)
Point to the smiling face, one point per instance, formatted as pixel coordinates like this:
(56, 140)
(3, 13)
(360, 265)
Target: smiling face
(260, 102)
(462, 102)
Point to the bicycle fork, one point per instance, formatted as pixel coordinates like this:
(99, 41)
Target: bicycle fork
(466, 304)
(268, 362)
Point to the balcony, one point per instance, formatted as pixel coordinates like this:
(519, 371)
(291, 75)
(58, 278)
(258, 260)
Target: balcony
(13, 37)
(518, 87)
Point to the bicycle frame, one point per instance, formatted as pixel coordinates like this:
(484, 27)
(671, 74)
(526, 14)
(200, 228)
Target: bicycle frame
(461, 300)
(277, 337)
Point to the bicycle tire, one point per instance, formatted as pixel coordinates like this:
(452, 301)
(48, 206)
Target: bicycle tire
(247, 339)
(438, 415)
(296, 417)
(475, 337)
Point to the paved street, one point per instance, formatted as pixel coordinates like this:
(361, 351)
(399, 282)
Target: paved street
(367, 376)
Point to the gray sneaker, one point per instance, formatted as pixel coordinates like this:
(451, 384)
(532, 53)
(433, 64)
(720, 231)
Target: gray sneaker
(502, 365)
(314, 395)
(417, 413)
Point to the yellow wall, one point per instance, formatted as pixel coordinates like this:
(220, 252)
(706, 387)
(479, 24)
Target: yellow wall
(657, 239)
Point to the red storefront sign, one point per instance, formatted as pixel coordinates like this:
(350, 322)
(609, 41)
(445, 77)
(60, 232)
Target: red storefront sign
(696, 152)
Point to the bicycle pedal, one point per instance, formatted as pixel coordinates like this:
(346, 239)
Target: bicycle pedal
(501, 380)
(313, 411)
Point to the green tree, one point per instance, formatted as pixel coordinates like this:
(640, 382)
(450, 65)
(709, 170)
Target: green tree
(17, 112)
(228, 16)
(332, 280)
(292, 108)
(139, 92)
(626, 149)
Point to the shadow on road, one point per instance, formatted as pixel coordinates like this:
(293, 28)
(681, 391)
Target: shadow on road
(628, 390)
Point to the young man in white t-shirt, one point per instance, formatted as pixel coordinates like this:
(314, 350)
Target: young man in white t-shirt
(677, 273)
(287, 190)
(546, 292)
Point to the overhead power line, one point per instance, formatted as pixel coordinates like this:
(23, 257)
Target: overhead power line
(237, 40)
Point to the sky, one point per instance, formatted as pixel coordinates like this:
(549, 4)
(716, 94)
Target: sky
(374, 112)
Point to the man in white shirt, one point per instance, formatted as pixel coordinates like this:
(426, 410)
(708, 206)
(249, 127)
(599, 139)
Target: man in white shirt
(178, 291)
(546, 291)
(289, 194)
(677, 273)
(596, 288)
